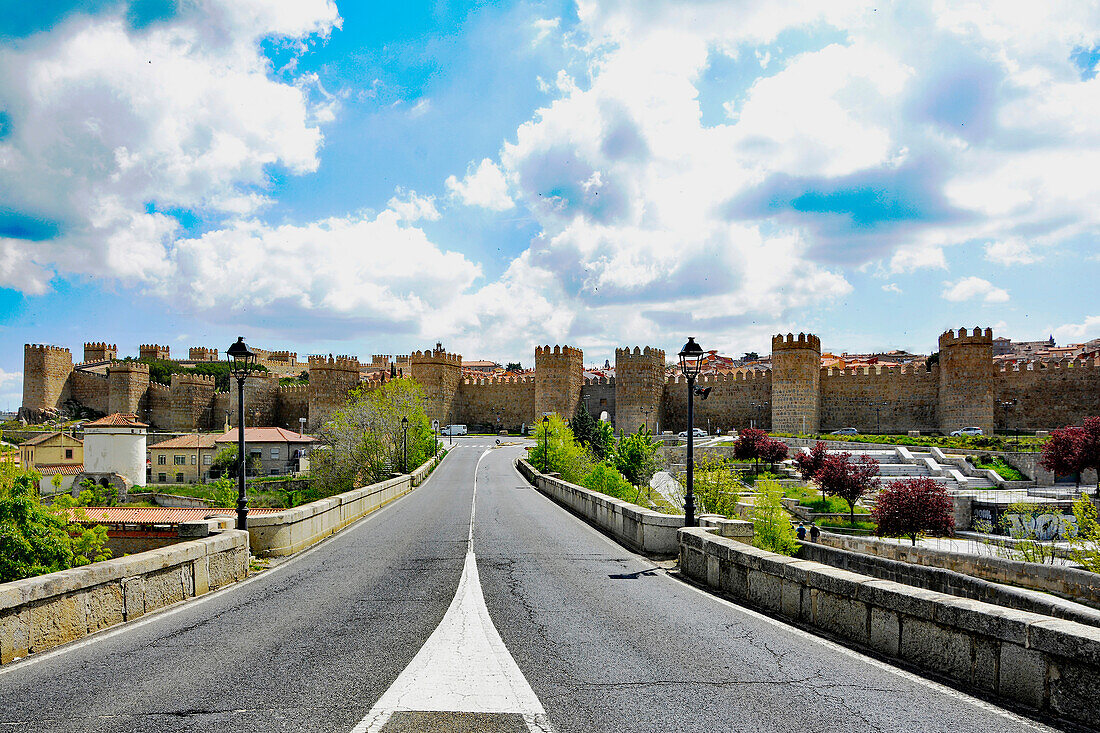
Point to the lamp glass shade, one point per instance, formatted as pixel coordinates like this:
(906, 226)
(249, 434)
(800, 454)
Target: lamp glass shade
(241, 358)
(691, 358)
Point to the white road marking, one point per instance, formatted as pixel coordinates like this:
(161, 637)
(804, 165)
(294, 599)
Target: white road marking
(464, 665)
(186, 604)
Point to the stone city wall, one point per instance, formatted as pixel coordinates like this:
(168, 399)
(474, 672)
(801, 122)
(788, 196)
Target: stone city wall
(559, 377)
(1044, 663)
(499, 403)
(883, 400)
(1046, 394)
(736, 400)
(91, 390)
(46, 611)
(293, 403)
(598, 394)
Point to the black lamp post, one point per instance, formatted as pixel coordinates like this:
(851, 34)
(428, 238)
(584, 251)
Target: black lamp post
(241, 360)
(1008, 405)
(545, 443)
(691, 362)
(405, 444)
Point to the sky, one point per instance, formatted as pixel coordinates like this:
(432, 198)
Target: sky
(367, 177)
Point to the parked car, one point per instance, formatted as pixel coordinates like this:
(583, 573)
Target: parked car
(845, 431)
(453, 430)
(697, 432)
(967, 431)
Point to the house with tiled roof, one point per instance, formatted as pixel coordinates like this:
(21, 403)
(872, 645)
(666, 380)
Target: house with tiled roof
(279, 451)
(51, 449)
(184, 459)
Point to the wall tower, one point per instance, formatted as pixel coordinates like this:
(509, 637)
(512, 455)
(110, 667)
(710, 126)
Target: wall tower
(202, 353)
(330, 380)
(559, 377)
(966, 380)
(192, 402)
(46, 371)
(99, 351)
(639, 384)
(127, 383)
(440, 374)
(796, 383)
(153, 351)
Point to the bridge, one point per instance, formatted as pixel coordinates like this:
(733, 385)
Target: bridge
(473, 603)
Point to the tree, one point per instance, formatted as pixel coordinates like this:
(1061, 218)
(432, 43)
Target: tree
(634, 456)
(909, 507)
(771, 523)
(37, 539)
(225, 460)
(750, 356)
(556, 448)
(513, 366)
(839, 476)
(809, 462)
(773, 451)
(584, 429)
(748, 444)
(1085, 543)
(1063, 453)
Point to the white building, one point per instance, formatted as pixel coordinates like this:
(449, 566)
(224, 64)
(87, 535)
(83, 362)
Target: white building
(115, 445)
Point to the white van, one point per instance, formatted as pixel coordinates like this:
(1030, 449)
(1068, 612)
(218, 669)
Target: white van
(453, 430)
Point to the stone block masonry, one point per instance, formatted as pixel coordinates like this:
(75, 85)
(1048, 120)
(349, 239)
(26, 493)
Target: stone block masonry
(559, 377)
(38, 614)
(1040, 662)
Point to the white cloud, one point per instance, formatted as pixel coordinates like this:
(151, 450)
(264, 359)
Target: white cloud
(916, 258)
(107, 122)
(421, 108)
(11, 388)
(543, 28)
(972, 287)
(485, 187)
(892, 288)
(1078, 332)
(1010, 252)
(410, 207)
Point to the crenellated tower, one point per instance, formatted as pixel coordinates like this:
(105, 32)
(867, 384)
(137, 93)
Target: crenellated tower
(99, 351)
(796, 383)
(192, 402)
(440, 374)
(202, 353)
(261, 396)
(559, 377)
(639, 384)
(46, 371)
(966, 380)
(154, 351)
(330, 381)
(127, 383)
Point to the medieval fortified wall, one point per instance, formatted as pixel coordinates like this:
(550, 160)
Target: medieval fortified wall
(965, 388)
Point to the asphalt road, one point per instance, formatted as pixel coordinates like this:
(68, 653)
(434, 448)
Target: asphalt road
(601, 638)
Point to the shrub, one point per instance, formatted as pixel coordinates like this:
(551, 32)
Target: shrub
(809, 462)
(606, 479)
(911, 506)
(771, 523)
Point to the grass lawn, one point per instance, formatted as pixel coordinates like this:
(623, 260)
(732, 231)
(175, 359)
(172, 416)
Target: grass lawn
(977, 442)
(1005, 471)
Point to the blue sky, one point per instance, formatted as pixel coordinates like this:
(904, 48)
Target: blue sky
(374, 177)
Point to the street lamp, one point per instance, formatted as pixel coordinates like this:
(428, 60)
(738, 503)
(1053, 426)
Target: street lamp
(545, 443)
(691, 362)
(405, 444)
(1008, 405)
(646, 413)
(241, 360)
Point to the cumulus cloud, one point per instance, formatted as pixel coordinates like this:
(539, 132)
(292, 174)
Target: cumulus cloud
(484, 186)
(11, 388)
(1010, 252)
(410, 207)
(969, 288)
(109, 126)
(1078, 332)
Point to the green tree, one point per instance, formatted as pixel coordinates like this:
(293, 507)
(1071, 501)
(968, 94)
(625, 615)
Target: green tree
(635, 456)
(557, 450)
(513, 366)
(225, 460)
(771, 523)
(606, 479)
(1085, 542)
(717, 491)
(37, 539)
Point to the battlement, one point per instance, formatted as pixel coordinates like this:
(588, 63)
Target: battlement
(607, 381)
(485, 381)
(1050, 364)
(285, 356)
(160, 388)
(154, 351)
(544, 351)
(202, 353)
(46, 349)
(192, 379)
(290, 390)
(380, 359)
(128, 366)
(745, 376)
(950, 338)
(342, 362)
(804, 341)
(647, 352)
(437, 356)
(99, 345)
(905, 370)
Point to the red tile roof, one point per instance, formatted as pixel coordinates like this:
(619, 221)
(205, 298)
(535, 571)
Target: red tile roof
(65, 469)
(159, 515)
(265, 435)
(117, 420)
(192, 440)
(46, 436)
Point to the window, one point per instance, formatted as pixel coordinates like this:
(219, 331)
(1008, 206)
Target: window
(274, 454)
(179, 460)
(161, 460)
(179, 478)
(274, 472)
(207, 460)
(68, 453)
(194, 460)
(161, 477)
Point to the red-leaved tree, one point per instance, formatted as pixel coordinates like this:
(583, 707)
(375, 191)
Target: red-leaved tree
(773, 451)
(839, 476)
(911, 506)
(1071, 450)
(809, 463)
(748, 444)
